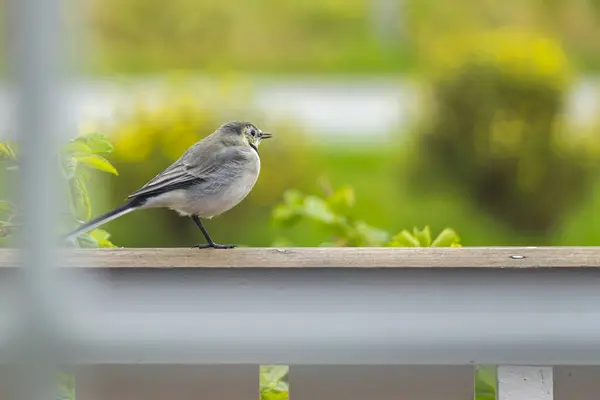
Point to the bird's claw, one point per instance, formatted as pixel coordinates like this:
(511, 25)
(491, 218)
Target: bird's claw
(213, 246)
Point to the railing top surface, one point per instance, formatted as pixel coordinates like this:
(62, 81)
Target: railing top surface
(401, 306)
(311, 257)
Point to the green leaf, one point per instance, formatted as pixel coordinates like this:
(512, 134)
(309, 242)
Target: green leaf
(80, 199)
(106, 244)
(98, 143)
(274, 395)
(97, 162)
(369, 235)
(6, 151)
(270, 374)
(404, 239)
(293, 197)
(317, 209)
(486, 374)
(5, 207)
(68, 167)
(285, 215)
(85, 240)
(447, 238)
(424, 236)
(272, 385)
(77, 147)
(342, 200)
(485, 383)
(101, 236)
(66, 384)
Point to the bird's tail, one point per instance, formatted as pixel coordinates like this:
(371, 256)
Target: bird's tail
(126, 208)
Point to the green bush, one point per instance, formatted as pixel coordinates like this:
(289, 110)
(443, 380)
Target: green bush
(332, 214)
(78, 158)
(496, 129)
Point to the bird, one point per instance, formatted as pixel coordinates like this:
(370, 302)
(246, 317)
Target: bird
(211, 177)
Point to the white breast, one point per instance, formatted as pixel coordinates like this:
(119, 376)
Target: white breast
(234, 194)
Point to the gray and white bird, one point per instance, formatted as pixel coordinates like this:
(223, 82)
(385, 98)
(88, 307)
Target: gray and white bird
(214, 175)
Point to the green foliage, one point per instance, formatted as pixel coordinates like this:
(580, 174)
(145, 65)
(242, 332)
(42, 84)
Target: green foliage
(332, 213)
(273, 384)
(422, 238)
(496, 129)
(485, 383)
(78, 158)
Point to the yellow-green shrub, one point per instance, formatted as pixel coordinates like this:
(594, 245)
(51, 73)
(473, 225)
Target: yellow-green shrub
(497, 128)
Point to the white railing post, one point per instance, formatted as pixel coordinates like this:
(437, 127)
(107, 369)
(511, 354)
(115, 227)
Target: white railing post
(525, 383)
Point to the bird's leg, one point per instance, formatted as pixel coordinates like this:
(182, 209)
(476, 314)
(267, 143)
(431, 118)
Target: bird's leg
(210, 243)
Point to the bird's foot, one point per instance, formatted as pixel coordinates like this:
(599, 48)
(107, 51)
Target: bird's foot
(213, 246)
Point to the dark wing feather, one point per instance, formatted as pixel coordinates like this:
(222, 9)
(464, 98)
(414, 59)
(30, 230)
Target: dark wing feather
(197, 165)
(190, 169)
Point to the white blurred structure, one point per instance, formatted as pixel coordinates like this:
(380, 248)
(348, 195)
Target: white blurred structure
(337, 108)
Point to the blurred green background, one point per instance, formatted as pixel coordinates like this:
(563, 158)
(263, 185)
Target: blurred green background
(475, 130)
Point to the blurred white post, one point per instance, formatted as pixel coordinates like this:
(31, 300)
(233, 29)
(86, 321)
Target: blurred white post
(35, 66)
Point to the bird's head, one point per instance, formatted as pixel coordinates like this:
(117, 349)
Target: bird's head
(244, 133)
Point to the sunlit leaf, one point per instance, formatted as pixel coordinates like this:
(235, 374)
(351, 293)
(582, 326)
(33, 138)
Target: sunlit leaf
(97, 162)
(107, 244)
(485, 383)
(370, 235)
(317, 209)
(85, 240)
(7, 152)
(273, 373)
(98, 143)
(274, 395)
(293, 197)
(80, 200)
(423, 236)
(404, 239)
(283, 214)
(68, 167)
(342, 200)
(77, 147)
(447, 238)
(101, 236)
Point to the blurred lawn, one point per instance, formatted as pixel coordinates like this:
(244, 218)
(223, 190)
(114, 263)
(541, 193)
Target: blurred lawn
(263, 36)
(309, 36)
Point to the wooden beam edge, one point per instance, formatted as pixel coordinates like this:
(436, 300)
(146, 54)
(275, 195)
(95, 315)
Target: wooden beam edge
(321, 257)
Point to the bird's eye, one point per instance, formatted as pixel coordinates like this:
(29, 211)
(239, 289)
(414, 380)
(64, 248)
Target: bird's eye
(252, 132)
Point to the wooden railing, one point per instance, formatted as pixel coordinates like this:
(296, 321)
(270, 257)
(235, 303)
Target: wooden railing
(352, 323)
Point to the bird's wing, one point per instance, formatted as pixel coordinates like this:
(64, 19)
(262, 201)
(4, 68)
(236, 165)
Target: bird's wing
(188, 170)
(195, 167)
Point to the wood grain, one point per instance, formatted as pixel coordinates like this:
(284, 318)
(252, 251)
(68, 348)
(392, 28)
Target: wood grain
(348, 257)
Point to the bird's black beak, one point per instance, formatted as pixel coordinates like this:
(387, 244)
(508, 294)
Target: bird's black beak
(266, 135)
